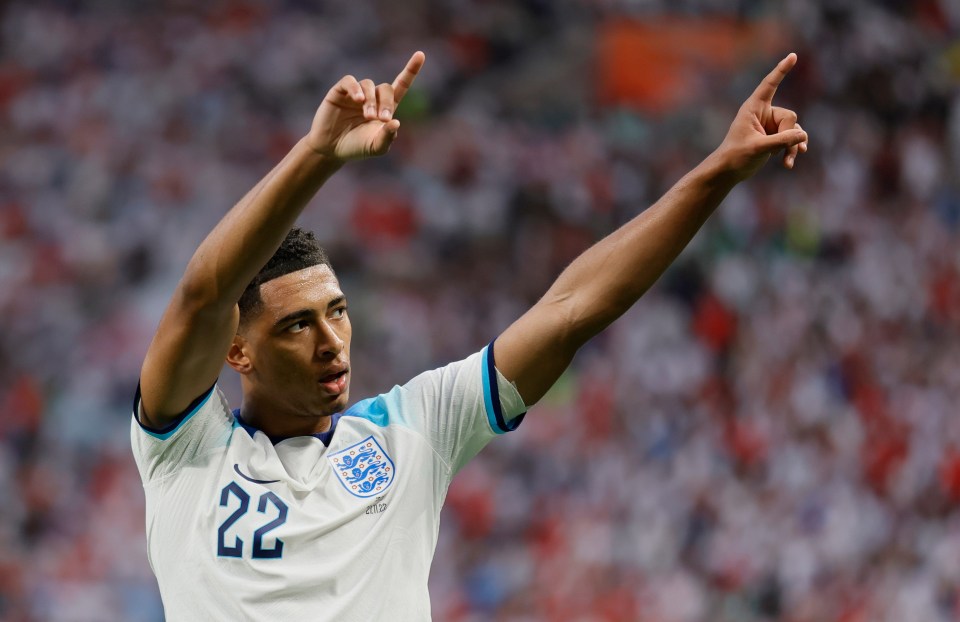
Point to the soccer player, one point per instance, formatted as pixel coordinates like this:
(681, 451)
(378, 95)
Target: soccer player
(296, 507)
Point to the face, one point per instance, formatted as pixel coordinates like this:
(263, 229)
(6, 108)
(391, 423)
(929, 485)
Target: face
(295, 354)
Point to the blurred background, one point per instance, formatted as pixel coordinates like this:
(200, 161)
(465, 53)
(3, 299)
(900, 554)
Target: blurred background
(771, 434)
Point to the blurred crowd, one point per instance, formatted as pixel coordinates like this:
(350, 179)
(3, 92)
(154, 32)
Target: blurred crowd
(770, 434)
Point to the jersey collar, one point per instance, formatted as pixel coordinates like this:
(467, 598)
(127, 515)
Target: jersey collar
(325, 437)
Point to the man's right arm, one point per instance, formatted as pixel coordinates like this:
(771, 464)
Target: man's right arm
(201, 319)
(196, 330)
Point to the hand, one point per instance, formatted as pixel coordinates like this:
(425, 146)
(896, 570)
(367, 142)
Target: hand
(761, 129)
(355, 119)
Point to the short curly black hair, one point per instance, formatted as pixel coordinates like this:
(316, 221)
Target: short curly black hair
(298, 250)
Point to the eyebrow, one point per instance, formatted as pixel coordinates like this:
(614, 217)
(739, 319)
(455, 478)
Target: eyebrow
(296, 315)
(301, 314)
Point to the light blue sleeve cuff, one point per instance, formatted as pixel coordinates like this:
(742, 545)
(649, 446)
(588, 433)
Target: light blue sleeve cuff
(167, 431)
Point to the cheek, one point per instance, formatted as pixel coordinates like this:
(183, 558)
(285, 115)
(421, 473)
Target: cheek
(346, 335)
(279, 362)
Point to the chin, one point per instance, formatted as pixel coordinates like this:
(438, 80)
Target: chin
(339, 404)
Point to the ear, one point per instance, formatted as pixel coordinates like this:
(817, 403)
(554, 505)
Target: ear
(237, 356)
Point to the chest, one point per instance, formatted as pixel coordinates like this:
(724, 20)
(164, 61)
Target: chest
(255, 503)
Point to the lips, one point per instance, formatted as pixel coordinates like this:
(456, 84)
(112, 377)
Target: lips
(335, 383)
(333, 376)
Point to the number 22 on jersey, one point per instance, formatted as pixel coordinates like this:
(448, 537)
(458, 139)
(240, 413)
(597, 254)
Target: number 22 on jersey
(235, 549)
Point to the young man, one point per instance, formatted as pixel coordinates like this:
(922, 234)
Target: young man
(295, 507)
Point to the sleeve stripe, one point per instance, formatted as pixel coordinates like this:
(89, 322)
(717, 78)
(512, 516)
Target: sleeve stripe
(167, 431)
(491, 396)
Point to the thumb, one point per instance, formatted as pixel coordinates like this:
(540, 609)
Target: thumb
(385, 137)
(781, 140)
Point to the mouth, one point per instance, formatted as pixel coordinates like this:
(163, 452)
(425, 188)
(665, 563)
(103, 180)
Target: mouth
(335, 383)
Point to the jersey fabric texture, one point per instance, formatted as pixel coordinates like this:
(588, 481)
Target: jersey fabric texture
(335, 526)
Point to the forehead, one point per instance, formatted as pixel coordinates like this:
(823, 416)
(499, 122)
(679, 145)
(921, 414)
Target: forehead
(310, 288)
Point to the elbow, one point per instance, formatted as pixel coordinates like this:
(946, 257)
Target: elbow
(581, 315)
(577, 320)
(198, 297)
(208, 284)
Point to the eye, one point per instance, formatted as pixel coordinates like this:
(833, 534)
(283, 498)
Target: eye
(298, 327)
(339, 312)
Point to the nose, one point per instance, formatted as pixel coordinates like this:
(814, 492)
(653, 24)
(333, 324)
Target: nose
(329, 342)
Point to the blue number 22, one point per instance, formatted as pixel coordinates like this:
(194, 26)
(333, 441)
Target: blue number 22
(236, 549)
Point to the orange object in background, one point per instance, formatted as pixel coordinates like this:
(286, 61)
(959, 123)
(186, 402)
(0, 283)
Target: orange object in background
(655, 65)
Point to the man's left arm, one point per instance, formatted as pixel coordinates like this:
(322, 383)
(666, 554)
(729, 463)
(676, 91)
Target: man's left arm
(607, 279)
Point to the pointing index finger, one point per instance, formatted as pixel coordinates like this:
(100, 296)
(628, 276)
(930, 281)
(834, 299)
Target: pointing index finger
(768, 87)
(406, 77)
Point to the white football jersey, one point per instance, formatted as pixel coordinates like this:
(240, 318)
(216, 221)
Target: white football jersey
(335, 526)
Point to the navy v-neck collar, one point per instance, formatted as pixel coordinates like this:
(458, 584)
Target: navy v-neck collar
(325, 437)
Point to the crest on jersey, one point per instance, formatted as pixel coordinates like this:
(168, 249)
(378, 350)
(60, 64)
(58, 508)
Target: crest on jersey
(364, 468)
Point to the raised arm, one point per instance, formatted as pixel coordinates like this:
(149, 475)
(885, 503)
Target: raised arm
(355, 120)
(607, 279)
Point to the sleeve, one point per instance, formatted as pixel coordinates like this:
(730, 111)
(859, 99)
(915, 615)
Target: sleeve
(458, 408)
(205, 424)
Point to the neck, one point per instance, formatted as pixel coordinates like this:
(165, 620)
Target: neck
(274, 421)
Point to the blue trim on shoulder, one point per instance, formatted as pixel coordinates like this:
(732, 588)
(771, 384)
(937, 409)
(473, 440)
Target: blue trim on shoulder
(167, 431)
(324, 437)
(487, 401)
(491, 396)
(373, 409)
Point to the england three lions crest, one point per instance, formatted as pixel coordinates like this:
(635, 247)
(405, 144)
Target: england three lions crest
(363, 468)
